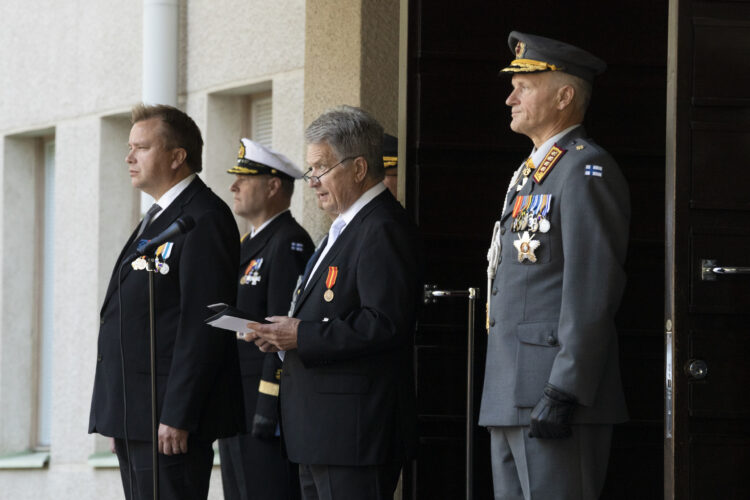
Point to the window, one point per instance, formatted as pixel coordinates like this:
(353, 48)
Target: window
(45, 191)
(262, 122)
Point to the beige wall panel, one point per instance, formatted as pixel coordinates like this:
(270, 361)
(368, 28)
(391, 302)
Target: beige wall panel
(231, 40)
(76, 286)
(63, 59)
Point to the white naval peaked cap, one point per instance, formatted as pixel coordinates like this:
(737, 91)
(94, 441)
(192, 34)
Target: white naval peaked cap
(256, 159)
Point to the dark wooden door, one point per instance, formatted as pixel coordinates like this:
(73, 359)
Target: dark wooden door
(707, 429)
(460, 156)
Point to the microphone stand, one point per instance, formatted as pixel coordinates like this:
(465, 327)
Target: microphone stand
(151, 269)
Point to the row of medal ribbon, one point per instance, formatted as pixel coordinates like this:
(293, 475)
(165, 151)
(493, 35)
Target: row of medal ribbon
(530, 213)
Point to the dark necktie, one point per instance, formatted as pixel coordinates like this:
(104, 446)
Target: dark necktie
(155, 208)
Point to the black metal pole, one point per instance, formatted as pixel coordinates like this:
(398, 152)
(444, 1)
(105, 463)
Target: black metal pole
(154, 419)
(473, 295)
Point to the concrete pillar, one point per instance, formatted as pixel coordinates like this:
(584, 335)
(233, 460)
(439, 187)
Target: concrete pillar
(351, 57)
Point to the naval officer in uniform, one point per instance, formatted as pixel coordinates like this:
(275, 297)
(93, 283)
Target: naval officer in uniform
(272, 258)
(552, 388)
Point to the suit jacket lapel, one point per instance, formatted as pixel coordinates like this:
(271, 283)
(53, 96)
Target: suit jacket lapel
(347, 234)
(173, 211)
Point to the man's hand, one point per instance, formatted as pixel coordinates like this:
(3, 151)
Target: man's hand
(278, 335)
(551, 416)
(172, 441)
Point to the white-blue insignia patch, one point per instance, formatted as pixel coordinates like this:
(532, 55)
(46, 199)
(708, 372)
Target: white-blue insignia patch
(594, 170)
(297, 247)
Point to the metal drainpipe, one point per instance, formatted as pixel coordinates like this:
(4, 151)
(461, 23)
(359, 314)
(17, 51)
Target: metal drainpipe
(160, 45)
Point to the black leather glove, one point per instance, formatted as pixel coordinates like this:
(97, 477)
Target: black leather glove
(551, 416)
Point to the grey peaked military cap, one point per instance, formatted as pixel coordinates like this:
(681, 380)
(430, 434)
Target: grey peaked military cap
(536, 53)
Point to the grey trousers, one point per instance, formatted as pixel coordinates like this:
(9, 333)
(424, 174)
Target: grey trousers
(572, 468)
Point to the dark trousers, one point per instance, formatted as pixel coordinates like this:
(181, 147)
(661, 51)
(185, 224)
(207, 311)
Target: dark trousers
(255, 469)
(332, 482)
(181, 477)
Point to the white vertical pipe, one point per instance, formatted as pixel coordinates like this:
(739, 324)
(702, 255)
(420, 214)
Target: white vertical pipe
(160, 44)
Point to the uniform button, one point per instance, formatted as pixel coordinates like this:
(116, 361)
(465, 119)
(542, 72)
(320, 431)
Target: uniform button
(101, 321)
(502, 230)
(494, 291)
(99, 358)
(492, 322)
(551, 340)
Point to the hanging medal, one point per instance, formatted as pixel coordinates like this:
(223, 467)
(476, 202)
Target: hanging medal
(252, 276)
(514, 214)
(533, 213)
(333, 273)
(524, 222)
(162, 254)
(544, 224)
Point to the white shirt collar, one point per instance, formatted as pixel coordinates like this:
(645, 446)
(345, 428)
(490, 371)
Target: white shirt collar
(538, 154)
(255, 232)
(168, 197)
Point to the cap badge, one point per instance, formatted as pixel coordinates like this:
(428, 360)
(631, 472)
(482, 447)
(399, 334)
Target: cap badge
(241, 154)
(520, 50)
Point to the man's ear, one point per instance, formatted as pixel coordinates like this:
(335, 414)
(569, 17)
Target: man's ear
(360, 168)
(565, 96)
(273, 185)
(179, 155)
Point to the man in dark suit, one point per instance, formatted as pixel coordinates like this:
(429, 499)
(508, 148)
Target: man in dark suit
(552, 387)
(347, 392)
(272, 259)
(197, 373)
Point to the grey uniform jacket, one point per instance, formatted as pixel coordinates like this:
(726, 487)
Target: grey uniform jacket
(553, 320)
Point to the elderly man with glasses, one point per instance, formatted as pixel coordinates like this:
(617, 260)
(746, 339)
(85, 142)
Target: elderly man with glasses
(347, 395)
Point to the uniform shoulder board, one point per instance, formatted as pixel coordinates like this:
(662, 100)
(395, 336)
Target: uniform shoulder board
(549, 162)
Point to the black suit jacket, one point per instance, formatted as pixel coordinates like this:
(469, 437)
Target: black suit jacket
(347, 391)
(284, 247)
(197, 366)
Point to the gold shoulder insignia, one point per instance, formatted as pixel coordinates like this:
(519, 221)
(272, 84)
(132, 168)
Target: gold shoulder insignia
(554, 155)
(580, 147)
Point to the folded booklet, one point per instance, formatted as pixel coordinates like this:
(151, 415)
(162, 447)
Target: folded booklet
(230, 318)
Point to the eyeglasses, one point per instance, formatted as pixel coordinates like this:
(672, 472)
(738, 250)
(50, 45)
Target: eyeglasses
(316, 178)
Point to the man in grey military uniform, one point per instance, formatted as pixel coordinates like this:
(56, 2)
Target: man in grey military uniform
(552, 388)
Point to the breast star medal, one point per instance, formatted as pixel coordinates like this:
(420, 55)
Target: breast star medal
(526, 245)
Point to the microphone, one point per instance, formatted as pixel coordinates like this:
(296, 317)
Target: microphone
(180, 226)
